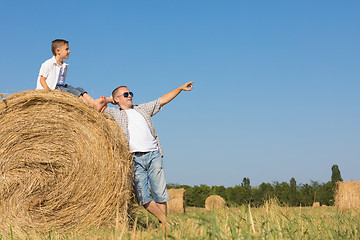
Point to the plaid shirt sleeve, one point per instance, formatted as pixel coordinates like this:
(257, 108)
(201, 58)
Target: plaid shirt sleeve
(151, 108)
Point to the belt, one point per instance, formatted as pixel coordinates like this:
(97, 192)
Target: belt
(141, 153)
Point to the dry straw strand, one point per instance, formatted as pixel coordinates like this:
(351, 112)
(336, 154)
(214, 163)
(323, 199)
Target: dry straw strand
(62, 164)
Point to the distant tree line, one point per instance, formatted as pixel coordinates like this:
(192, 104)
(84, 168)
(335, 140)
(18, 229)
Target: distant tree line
(289, 194)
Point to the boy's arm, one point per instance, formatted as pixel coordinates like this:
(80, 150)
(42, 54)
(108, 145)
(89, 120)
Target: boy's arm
(43, 83)
(171, 95)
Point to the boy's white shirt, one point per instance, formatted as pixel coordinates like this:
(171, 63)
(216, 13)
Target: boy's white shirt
(140, 137)
(50, 70)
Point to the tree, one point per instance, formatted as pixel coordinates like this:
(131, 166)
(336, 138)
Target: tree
(293, 194)
(246, 182)
(263, 193)
(281, 191)
(197, 195)
(335, 176)
(326, 194)
(307, 193)
(246, 190)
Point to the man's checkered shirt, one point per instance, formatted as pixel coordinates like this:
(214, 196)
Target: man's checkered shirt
(147, 110)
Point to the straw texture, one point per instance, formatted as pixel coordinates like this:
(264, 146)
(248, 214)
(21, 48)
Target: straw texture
(177, 201)
(214, 201)
(63, 165)
(347, 195)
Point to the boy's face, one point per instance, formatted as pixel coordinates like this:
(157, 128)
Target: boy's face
(63, 51)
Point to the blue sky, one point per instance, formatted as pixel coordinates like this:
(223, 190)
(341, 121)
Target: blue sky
(276, 92)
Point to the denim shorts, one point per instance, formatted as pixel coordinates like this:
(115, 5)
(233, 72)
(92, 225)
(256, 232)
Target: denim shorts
(70, 89)
(149, 173)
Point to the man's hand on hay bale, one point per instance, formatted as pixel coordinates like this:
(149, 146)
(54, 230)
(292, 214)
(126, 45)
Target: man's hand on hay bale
(1, 95)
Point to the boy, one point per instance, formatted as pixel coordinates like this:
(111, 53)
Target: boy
(53, 73)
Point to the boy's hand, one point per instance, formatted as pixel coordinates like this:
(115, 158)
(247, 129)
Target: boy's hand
(187, 86)
(44, 84)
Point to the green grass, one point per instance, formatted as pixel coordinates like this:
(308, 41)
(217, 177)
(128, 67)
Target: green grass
(268, 222)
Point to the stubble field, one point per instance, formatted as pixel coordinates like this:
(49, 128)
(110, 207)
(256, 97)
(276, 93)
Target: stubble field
(271, 221)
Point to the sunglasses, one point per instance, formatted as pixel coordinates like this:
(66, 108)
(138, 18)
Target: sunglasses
(126, 94)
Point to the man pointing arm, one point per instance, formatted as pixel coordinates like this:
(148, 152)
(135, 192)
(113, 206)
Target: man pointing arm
(135, 122)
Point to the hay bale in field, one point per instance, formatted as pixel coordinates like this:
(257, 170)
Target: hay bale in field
(347, 195)
(62, 164)
(316, 204)
(214, 201)
(177, 201)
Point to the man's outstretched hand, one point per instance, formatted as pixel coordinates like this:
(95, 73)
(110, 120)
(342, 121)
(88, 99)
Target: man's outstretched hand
(187, 86)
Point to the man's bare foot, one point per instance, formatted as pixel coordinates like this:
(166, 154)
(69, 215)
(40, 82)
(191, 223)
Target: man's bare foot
(165, 226)
(100, 104)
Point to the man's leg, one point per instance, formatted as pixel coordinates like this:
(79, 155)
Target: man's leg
(98, 104)
(153, 208)
(163, 208)
(141, 186)
(157, 181)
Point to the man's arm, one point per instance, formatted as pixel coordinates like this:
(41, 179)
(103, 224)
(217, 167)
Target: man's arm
(171, 95)
(110, 100)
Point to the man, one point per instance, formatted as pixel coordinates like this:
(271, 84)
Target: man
(135, 122)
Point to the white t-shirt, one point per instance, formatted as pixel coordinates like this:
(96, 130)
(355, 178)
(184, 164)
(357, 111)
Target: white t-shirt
(140, 138)
(51, 70)
(61, 79)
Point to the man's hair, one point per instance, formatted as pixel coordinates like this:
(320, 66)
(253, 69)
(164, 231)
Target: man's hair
(57, 43)
(115, 91)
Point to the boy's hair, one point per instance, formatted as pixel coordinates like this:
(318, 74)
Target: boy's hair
(115, 91)
(57, 43)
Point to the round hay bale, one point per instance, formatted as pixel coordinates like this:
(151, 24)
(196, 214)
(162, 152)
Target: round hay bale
(214, 201)
(177, 201)
(316, 204)
(62, 164)
(347, 195)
